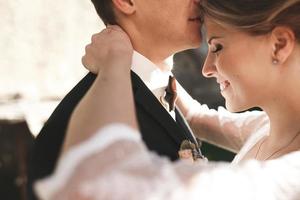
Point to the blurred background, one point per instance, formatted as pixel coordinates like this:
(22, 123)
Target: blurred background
(41, 45)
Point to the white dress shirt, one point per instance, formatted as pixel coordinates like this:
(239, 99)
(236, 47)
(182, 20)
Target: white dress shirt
(154, 78)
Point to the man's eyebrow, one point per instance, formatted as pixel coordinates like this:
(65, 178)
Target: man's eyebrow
(212, 38)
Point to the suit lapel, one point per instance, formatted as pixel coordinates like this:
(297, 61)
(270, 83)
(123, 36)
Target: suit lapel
(189, 133)
(183, 123)
(144, 97)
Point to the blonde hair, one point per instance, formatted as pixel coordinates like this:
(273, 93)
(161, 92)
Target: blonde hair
(255, 17)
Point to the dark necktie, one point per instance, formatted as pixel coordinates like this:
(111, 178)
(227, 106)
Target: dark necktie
(171, 93)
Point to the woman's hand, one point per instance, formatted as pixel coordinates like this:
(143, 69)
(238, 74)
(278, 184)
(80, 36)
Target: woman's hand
(109, 49)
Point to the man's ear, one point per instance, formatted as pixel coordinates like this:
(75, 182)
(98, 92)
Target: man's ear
(283, 42)
(126, 7)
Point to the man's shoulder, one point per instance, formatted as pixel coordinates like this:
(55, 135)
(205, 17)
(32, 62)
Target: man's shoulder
(49, 141)
(69, 102)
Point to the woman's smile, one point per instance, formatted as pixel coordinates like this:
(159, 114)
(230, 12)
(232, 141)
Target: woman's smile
(224, 85)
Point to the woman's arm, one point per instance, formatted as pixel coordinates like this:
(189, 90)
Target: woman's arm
(125, 168)
(220, 127)
(110, 98)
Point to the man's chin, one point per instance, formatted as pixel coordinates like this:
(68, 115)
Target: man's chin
(196, 42)
(197, 45)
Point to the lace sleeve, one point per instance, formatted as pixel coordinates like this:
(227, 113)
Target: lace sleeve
(115, 164)
(223, 128)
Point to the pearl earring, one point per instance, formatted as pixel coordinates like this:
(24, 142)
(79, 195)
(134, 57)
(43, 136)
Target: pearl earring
(275, 61)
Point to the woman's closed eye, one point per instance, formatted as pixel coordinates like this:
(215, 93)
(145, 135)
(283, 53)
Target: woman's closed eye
(216, 48)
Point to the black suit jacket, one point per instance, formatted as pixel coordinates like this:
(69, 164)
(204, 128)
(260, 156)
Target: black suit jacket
(159, 131)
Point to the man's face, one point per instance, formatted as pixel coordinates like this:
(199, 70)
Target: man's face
(171, 24)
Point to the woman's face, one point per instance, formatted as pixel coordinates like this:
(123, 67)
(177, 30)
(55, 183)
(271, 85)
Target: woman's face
(241, 65)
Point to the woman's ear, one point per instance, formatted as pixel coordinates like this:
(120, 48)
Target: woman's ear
(283, 42)
(126, 7)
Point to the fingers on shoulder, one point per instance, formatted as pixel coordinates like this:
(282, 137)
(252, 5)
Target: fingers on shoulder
(88, 58)
(89, 63)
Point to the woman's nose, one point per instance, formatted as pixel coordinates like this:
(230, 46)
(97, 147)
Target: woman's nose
(209, 68)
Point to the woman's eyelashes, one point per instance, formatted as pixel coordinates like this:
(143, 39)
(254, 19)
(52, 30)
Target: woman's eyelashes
(216, 48)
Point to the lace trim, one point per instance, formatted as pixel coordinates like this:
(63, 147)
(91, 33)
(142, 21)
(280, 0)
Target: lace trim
(68, 163)
(249, 144)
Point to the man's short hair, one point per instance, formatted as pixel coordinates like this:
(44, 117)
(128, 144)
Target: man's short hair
(105, 11)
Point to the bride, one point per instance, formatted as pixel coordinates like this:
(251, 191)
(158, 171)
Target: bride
(255, 58)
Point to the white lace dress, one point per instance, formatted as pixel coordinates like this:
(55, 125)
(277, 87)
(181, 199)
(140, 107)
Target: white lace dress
(115, 164)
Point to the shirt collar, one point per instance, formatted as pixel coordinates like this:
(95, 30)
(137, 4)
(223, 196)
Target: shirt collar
(151, 75)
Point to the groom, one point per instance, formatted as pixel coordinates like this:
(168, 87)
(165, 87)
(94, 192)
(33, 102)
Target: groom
(157, 30)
